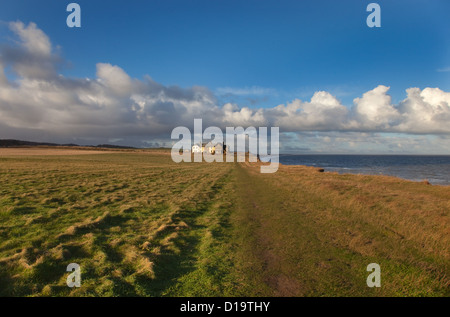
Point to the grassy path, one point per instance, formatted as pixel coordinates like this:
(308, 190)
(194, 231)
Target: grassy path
(283, 250)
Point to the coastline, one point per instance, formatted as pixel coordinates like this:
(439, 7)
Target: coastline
(434, 169)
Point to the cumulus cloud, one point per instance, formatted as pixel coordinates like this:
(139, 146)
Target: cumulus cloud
(425, 111)
(323, 112)
(375, 110)
(32, 56)
(111, 105)
(115, 78)
(115, 106)
(33, 39)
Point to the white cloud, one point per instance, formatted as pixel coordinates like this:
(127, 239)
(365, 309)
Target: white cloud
(232, 115)
(32, 38)
(374, 111)
(425, 111)
(32, 57)
(114, 78)
(323, 112)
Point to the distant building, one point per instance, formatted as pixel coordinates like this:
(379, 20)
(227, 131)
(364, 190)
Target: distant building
(211, 148)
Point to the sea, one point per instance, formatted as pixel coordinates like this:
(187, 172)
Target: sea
(433, 168)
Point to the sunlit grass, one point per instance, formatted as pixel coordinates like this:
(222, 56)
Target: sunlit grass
(131, 220)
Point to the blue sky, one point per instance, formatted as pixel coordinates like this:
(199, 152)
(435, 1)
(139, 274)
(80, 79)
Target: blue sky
(255, 54)
(289, 48)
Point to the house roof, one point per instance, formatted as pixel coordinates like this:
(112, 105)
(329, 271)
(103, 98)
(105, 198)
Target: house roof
(205, 144)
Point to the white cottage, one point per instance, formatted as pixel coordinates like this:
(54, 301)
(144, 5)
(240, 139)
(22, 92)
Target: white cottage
(196, 148)
(217, 148)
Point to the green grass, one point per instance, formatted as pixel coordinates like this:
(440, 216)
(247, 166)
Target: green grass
(140, 225)
(137, 224)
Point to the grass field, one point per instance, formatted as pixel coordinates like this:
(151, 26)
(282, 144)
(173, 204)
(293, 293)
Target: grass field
(140, 225)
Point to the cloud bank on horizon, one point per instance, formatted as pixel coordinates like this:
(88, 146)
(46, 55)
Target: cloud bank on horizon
(42, 103)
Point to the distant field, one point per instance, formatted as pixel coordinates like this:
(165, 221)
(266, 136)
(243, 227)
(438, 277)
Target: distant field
(140, 225)
(42, 151)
